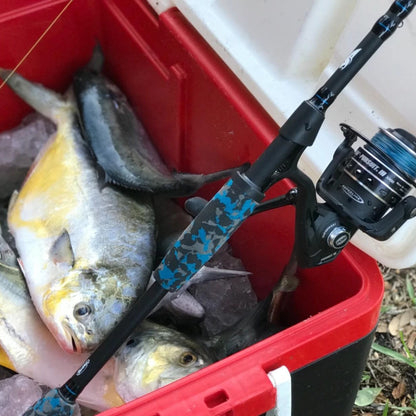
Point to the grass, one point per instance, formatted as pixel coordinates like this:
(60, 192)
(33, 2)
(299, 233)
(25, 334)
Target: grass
(388, 386)
(397, 356)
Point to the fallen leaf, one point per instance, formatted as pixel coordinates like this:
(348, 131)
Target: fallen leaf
(394, 326)
(406, 317)
(411, 340)
(382, 327)
(367, 396)
(407, 330)
(399, 391)
(405, 401)
(400, 321)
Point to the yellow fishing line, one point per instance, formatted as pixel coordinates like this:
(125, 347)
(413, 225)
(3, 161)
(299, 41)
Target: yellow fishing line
(36, 43)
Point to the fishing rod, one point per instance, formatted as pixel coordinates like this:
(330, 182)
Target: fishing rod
(322, 230)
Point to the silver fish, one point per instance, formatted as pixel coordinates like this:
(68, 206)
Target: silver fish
(155, 356)
(119, 141)
(151, 358)
(86, 249)
(29, 348)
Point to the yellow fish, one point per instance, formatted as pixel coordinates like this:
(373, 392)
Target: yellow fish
(152, 357)
(28, 347)
(155, 356)
(86, 248)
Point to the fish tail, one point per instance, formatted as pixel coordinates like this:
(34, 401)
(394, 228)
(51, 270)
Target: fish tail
(43, 100)
(96, 62)
(183, 184)
(214, 176)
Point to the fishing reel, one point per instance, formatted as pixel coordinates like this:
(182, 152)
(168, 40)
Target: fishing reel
(367, 181)
(365, 187)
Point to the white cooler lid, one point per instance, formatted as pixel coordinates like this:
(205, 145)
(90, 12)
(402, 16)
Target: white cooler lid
(284, 51)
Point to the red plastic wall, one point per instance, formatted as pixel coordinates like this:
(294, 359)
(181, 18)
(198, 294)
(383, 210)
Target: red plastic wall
(202, 119)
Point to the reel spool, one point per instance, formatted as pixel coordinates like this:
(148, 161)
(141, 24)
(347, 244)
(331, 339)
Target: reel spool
(365, 183)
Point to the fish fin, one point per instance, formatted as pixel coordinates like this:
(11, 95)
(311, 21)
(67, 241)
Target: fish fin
(96, 61)
(12, 200)
(61, 250)
(205, 274)
(21, 267)
(45, 101)
(103, 179)
(189, 183)
(108, 179)
(186, 305)
(180, 304)
(125, 184)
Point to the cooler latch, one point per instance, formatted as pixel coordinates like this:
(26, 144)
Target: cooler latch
(281, 380)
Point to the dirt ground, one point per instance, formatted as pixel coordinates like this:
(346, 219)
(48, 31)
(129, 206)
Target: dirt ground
(396, 331)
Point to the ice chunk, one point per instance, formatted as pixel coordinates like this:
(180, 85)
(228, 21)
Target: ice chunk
(224, 300)
(18, 148)
(224, 259)
(18, 393)
(223, 276)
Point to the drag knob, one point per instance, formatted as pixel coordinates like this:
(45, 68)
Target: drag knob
(338, 238)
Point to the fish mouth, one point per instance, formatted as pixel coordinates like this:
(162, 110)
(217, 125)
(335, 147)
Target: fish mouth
(69, 336)
(74, 345)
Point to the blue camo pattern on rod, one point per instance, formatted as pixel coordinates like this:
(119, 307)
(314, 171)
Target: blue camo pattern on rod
(232, 204)
(51, 404)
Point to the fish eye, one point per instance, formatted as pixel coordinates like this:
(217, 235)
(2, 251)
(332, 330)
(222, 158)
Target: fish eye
(89, 274)
(187, 358)
(82, 310)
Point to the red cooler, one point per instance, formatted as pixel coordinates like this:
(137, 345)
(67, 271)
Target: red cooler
(202, 119)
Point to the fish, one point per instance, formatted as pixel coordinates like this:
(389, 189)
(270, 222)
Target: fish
(155, 356)
(86, 248)
(120, 142)
(163, 354)
(29, 348)
(7, 254)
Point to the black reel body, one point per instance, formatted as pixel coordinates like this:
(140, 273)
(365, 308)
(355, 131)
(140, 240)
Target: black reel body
(367, 185)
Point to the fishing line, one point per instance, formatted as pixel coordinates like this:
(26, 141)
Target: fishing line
(400, 146)
(36, 43)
